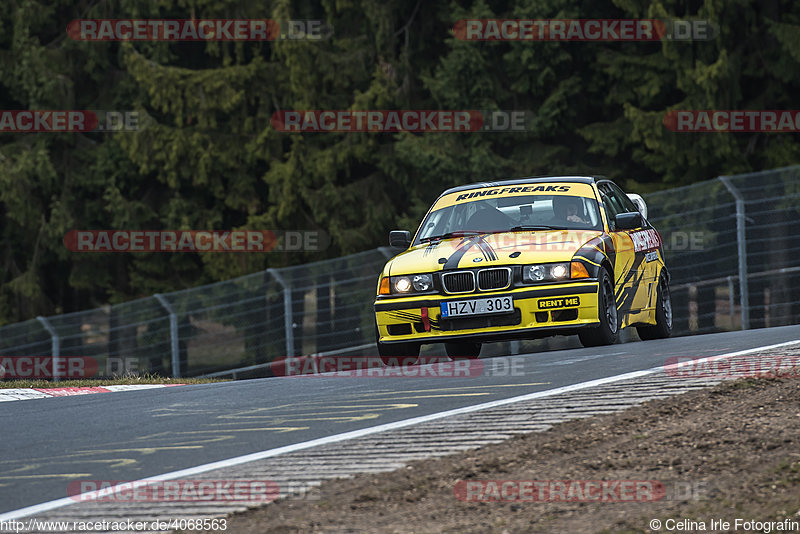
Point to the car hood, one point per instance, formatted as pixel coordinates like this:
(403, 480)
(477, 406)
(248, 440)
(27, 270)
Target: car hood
(506, 248)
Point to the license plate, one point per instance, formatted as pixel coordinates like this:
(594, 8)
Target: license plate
(461, 308)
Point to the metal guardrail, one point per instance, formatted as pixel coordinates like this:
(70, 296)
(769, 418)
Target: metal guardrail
(730, 245)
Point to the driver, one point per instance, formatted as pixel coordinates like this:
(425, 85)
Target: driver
(568, 209)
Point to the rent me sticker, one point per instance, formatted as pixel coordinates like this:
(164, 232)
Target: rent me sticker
(566, 302)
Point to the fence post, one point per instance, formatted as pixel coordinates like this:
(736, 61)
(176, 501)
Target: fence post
(741, 240)
(55, 344)
(731, 304)
(173, 335)
(288, 322)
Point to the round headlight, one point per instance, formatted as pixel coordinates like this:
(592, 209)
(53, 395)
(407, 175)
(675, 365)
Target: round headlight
(422, 282)
(536, 272)
(559, 271)
(402, 284)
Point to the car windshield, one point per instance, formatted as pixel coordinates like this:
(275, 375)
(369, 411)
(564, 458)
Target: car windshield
(514, 213)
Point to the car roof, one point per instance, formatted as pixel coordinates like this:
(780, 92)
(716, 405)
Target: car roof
(528, 180)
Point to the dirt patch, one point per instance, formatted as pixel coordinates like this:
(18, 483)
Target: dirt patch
(724, 453)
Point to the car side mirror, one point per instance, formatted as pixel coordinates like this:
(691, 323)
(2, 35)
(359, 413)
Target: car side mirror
(628, 221)
(639, 202)
(400, 239)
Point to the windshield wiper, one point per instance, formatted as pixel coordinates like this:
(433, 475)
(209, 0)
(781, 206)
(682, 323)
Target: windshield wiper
(531, 227)
(448, 235)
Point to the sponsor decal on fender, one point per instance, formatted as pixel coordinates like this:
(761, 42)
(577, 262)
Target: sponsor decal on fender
(645, 240)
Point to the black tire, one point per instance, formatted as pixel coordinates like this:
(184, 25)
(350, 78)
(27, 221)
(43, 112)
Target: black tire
(463, 350)
(663, 327)
(608, 331)
(397, 354)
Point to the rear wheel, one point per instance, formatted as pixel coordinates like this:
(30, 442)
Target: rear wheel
(663, 327)
(463, 350)
(607, 332)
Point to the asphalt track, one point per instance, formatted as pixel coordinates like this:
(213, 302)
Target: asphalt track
(47, 443)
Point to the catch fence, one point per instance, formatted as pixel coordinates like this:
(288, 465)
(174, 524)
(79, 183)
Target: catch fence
(731, 245)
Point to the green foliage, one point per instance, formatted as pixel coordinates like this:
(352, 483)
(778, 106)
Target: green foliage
(208, 158)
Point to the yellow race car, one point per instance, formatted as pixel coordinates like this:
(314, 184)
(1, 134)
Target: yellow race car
(524, 259)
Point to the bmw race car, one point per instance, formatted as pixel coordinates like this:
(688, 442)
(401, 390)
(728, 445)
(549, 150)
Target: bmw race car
(524, 259)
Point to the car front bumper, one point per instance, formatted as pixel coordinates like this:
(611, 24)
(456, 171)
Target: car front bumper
(538, 311)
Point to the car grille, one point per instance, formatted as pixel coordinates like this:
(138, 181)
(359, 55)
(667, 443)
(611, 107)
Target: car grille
(458, 282)
(494, 278)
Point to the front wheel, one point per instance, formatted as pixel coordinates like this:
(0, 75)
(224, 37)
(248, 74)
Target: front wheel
(607, 332)
(463, 350)
(397, 354)
(663, 327)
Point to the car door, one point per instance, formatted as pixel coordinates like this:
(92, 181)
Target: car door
(647, 245)
(631, 295)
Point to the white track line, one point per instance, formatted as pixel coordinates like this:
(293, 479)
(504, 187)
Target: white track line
(15, 394)
(230, 462)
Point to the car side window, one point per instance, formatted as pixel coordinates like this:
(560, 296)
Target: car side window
(612, 204)
(626, 202)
